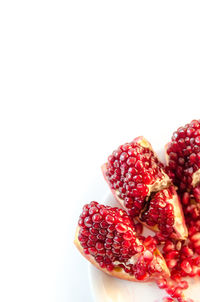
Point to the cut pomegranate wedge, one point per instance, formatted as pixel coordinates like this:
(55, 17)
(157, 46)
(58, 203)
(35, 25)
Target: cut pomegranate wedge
(136, 176)
(106, 237)
(183, 158)
(163, 213)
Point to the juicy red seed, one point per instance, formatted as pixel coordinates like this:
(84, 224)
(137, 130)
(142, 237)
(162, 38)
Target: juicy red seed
(88, 222)
(121, 228)
(104, 224)
(110, 219)
(103, 232)
(169, 246)
(177, 293)
(131, 161)
(86, 251)
(195, 237)
(118, 239)
(93, 210)
(92, 250)
(147, 256)
(162, 283)
(187, 252)
(123, 156)
(110, 267)
(172, 255)
(99, 246)
(142, 189)
(186, 267)
(96, 218)
(81, 222)
(129, 236)
(171, 263)
(183, 284)
(185, 198)
(93, 238)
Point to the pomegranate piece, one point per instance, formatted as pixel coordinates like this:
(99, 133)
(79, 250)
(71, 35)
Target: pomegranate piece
(138, 181)
(164, 213)
(107, 238)
(183, 158)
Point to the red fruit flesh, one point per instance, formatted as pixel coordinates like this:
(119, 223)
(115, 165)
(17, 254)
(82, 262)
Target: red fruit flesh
(107, 238)
(164, 214)
(134, 175)
(183, 158)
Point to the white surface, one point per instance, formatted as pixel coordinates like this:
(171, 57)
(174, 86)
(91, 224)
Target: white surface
(108, 289)
(78, 78)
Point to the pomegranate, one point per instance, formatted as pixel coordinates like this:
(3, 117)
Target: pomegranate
(107, 238)
(183, 158)
(138, 181)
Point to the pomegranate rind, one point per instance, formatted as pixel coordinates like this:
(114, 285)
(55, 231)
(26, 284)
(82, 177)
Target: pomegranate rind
(118, 272)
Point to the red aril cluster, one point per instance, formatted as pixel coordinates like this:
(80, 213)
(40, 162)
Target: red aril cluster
(160, 212)
(184, 157)
(139, 182)
(111, 240)
(108, 235)
(131, 170)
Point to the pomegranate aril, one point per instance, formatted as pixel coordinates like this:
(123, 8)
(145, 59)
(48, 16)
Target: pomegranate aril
(129, 236)
(186, 267)
(88, 222)
(195, 237)
(96, 218)
(99, 246)
(121, 228)
(92, 251)
(171, 263)
(162, 283)
(183, 284)
(110, 219)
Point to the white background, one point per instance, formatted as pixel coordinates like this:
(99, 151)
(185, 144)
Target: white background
(78, 78)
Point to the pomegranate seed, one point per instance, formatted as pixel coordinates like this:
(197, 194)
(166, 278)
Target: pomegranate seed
(129, 235)
(187, 252)
(96, 218)
(121, 228)
(186, 267)
(195, 237)
(162, 283)
(110, 219)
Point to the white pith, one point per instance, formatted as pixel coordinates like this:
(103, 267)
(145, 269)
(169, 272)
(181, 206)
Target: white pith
(195, 178)
(159, 184)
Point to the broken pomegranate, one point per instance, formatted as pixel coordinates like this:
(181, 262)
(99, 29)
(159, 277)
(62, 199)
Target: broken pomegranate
(138, 181)
(183, 158)
(107, 238)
